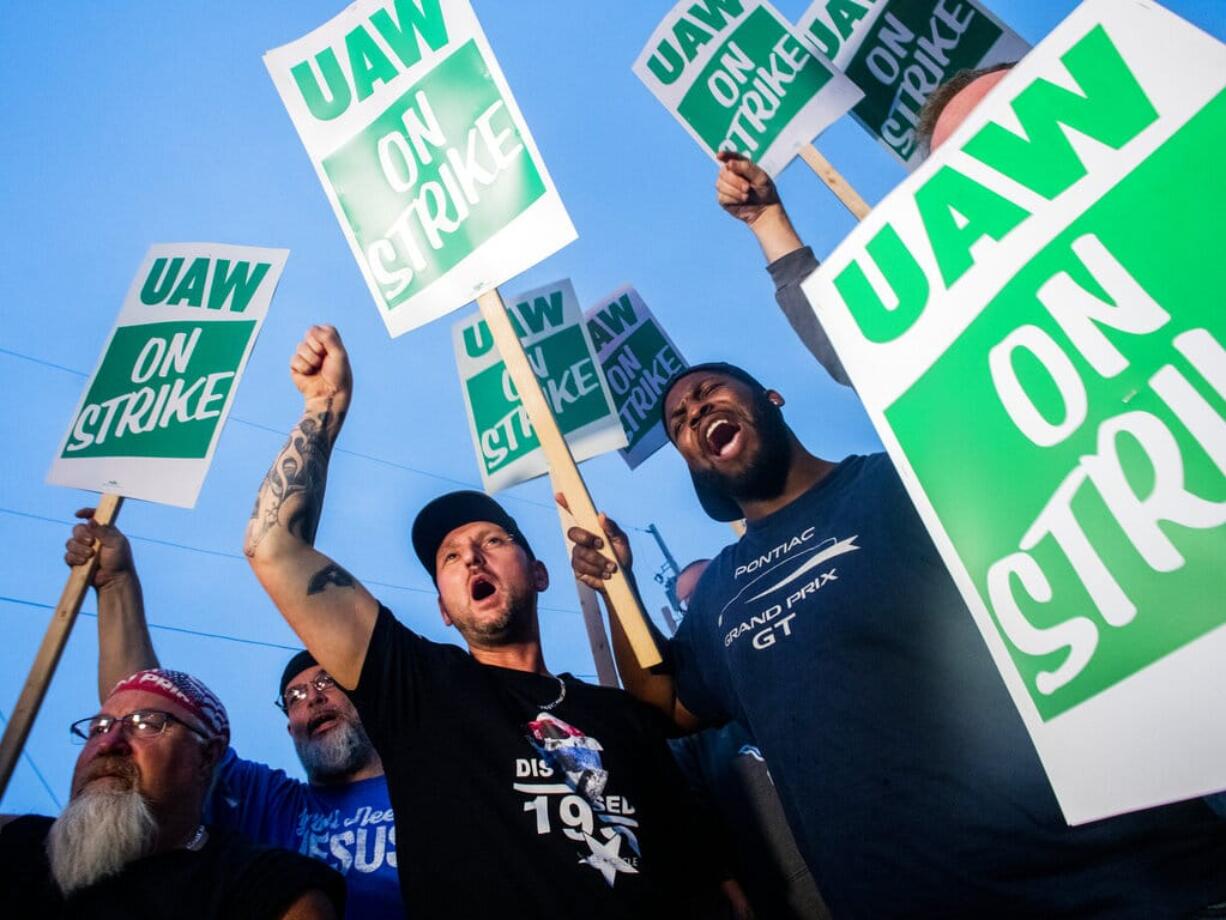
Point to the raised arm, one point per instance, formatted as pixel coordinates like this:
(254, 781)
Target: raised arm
(747, 193)
(653, 686)
(124, 646)
(332, 613)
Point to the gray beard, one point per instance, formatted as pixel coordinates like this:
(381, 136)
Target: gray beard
(340, 752)
(97, 835)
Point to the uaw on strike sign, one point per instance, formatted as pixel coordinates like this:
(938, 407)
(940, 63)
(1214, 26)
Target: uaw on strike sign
(423, 153)
(1035, 322)
(152, 413)
(899, 51)
(738, 77)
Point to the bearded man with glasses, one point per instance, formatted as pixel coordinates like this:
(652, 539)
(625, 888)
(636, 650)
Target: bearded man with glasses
(133, 842)
(341, 816)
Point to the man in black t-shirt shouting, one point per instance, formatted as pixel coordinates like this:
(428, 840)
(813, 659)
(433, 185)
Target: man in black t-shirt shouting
(524, 794)
(131, 842)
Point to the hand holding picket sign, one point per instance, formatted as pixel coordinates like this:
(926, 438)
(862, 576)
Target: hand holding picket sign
(590, 565)
(114, 552)
(743, 188)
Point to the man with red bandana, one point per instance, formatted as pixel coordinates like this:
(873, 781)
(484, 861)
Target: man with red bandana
(341, 815)
(133, 841)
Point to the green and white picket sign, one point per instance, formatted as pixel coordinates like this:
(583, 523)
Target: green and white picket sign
(1034, 322)
(738, 77)
(899, 51)
(638, 357)
(149, 419)
(550, 327)
(423, 153)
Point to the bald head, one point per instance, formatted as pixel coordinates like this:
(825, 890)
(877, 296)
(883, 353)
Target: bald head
(961, 106)
(687, 580)
(947, 107)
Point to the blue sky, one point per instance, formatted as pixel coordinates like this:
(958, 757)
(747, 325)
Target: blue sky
(134, 123)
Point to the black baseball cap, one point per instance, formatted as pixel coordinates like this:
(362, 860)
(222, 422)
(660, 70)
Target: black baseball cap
(455, 509)
(716, 504)
(296, 666)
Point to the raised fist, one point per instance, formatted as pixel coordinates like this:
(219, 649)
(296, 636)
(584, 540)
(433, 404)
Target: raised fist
(320, 368)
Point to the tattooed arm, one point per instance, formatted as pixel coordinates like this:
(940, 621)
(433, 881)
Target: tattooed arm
(332, 613)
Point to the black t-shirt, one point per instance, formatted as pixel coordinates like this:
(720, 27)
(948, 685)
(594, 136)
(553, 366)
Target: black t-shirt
(511, 811)
(226, 879)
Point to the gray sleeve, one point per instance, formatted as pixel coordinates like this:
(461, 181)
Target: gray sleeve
(788, 272)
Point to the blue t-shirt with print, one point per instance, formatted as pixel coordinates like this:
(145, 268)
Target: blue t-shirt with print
(833, 631)
(348, 826)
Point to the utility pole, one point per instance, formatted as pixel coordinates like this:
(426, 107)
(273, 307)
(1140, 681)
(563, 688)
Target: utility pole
(668, 572)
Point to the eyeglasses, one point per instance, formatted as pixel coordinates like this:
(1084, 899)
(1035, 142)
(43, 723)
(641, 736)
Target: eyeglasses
(299, 692)
(142, 725)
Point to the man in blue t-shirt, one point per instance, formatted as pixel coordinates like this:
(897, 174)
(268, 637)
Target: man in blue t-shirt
(341, 816)
(834, 633)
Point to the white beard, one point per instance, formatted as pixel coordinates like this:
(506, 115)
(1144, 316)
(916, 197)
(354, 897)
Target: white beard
(340, 752)
(97, 834)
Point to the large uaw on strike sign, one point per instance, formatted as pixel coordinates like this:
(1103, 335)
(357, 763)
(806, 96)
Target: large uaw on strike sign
(151, 415)
(422, 151)
(737, 77)
(1034, 321)
(899, 51)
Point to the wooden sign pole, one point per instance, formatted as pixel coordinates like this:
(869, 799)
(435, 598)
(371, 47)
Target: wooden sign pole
(606, 671)
(667, 612)
(22, 717)
(602, 655)
(834, 179)
(565, 473)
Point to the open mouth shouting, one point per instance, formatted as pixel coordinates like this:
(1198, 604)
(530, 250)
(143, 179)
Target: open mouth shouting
(480, 588)
(721, 437)
(322, 722)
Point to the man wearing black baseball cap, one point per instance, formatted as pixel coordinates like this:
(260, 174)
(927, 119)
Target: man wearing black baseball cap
(519, 792)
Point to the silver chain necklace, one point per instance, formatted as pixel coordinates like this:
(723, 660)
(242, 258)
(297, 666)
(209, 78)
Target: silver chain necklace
(198, 839)
(549, 707)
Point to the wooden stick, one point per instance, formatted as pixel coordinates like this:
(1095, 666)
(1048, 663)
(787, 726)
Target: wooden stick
(667, 612)
(22, 717)
(602, 655)
(606, 671)
(565, 473)
(834, 179)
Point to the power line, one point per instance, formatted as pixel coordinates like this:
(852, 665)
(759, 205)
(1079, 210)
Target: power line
(230, 555)
(25, 752)
(179, 629)
(284, 434)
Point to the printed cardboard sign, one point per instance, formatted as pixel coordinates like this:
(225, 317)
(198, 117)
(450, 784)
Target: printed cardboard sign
(151, 414)
(738, 77)
(550, 326)
(899, 51)
(1034, 322)
(638, 357)
(423, 153)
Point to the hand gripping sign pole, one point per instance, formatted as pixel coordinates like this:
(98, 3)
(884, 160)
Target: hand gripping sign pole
(22, 717)
(565, 474)
(834, 181)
